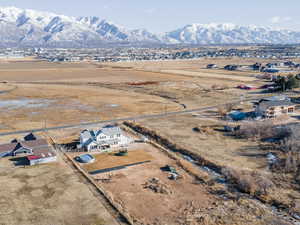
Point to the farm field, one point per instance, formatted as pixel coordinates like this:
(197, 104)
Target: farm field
(38, 106)
(48, 194)
(193, 64)
(76, 72)
(41, 94)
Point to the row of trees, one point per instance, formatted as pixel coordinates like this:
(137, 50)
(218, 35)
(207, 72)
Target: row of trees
(287, 140)
(288, 82)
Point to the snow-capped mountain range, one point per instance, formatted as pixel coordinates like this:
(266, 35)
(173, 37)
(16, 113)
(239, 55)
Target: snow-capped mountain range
(24, 27)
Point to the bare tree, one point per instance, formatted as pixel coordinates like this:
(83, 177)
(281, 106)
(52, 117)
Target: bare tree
(224, 109)
(257, 130)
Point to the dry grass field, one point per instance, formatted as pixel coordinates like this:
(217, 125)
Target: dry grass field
(111, 160)
(209, 74)
(193, 64)
(48, 194)
(42, 94)
(36, 106)
(215, 146)
(76, 72)
(184, 201)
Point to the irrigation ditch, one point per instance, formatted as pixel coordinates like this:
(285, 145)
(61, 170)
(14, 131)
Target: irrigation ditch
(211, 169)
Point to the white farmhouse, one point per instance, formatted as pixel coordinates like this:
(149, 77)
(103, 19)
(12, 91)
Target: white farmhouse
(105, 138)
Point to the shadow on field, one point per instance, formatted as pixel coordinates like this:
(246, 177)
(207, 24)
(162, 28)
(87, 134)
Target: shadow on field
(252, 151)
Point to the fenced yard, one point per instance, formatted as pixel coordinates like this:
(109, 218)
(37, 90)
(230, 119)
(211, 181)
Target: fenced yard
(109, 161)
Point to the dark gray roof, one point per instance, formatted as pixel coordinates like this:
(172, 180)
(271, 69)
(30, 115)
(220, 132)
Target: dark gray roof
(30, 137)
(89, 136)
(111, 130)
(39, 147)
(268, 104)
(14, 141)
(276, 98)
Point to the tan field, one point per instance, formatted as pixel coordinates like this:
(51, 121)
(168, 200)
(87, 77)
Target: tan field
(214, 147)
(38, 106)
(110, 160)
(194, 64)
(42, 94)
(48, 194)
(210, 75)
(87, 72)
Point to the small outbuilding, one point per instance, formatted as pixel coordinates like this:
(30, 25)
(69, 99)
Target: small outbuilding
(86, 158)
(231, 67)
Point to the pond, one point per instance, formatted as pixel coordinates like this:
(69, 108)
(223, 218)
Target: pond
(24, 103)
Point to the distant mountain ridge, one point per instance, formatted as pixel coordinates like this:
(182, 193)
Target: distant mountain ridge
(230, 34)
(24, 27)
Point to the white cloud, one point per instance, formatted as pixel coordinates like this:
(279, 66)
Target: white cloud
(279, 19)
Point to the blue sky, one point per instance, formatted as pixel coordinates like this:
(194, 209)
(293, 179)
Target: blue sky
(166, 15)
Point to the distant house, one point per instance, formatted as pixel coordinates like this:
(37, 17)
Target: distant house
(274, 108)
(105, 138)
(256, 66)
(276, 64)
(231, 67)
(36, 151)
(211, 66)
(289, 63)
(271, 70)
